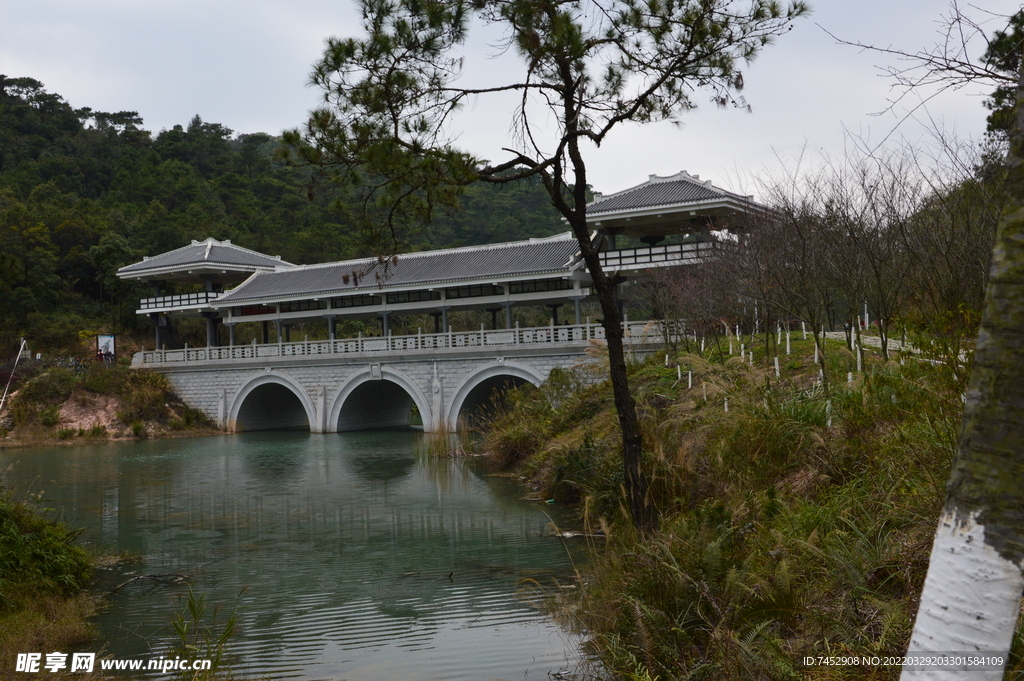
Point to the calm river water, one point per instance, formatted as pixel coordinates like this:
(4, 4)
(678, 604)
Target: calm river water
(359, 558)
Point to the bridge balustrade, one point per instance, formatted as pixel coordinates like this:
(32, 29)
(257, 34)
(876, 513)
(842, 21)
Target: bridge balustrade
(636, 332)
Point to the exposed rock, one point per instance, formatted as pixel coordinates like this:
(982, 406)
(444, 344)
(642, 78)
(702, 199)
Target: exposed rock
(85, 410)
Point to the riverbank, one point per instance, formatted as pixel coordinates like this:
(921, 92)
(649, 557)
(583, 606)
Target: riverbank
(44, 578)
(796, 517)
(94, 403)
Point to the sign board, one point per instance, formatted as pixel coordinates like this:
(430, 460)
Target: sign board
(105, 347)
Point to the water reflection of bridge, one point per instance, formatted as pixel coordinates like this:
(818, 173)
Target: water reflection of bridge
(252, 375)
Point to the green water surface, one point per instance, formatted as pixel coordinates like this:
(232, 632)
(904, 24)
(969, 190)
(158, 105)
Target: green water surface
(360, 558)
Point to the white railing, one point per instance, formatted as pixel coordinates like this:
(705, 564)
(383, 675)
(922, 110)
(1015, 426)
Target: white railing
(178, 301)
(636, 332)
(656, 256)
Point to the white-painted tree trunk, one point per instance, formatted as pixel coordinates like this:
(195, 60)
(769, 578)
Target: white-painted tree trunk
(973, 588)
(970, 600)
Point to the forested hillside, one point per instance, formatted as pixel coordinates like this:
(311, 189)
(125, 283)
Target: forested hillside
(84, 192)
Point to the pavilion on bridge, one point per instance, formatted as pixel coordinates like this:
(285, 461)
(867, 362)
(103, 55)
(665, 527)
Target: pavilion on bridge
(243, 286)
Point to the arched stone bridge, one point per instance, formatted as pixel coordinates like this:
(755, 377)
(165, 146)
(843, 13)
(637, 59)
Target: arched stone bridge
(374, 382)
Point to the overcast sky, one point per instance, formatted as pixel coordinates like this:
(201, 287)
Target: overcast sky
(246, 65)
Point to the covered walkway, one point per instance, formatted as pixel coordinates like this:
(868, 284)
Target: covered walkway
(240, 286)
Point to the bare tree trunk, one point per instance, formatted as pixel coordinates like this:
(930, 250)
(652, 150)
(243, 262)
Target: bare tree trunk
(819, 343)
(883, 333)
(641, 507)
(858, 343)
(972, 592)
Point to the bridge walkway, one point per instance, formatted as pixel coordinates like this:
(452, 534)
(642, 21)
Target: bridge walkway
(433, 343)
(376, 382)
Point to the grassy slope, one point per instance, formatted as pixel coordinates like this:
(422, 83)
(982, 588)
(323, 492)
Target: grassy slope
(144, 405)
(795, 523)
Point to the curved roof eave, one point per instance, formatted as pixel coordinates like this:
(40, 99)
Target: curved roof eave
(725, 202)
(231, 300)
(197, 265)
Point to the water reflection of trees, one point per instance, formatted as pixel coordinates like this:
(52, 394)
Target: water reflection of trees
(273, 464)
(380, 466)
(437, 454)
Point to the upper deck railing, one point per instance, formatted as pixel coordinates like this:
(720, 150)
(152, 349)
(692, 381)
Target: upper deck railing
(636, 332)
(176, 302)
(657, 256)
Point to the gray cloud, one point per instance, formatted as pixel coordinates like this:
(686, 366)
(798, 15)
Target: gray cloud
(246, 65)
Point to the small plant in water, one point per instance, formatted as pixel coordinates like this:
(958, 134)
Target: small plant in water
(201, 637)
(445, 443)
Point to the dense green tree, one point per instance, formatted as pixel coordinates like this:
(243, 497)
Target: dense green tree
(1003, 56)
(83, 192)
(204, 146)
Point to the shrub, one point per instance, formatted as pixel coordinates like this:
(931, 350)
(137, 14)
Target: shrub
(518, 427)
(145, 396)
(40, 397)
(38, 555)
(190, 418)
(53, 386)
(50, 416)
(104, 379)
(796, 523)
(24, 412)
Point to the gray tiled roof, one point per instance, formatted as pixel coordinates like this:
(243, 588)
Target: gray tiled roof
(207, 252)
(657, 191)
(518, 258)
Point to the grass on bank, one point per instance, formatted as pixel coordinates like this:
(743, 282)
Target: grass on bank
(144, 404)
(44, 605)
(799, 522)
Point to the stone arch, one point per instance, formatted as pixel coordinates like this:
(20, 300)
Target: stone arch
(272, 398)
(394, 388)
(513, 371)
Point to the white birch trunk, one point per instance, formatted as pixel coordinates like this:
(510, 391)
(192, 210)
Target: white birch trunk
(970, 601)
(972, 591)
